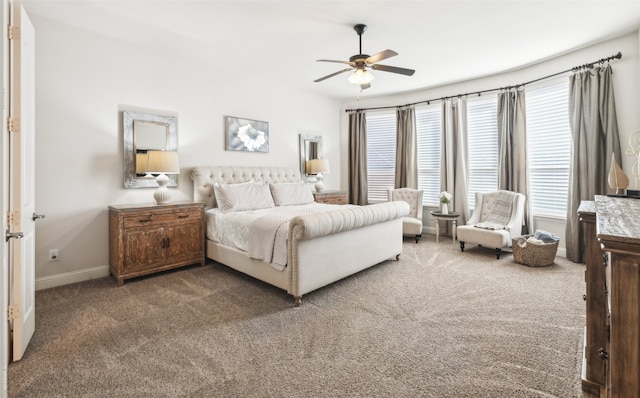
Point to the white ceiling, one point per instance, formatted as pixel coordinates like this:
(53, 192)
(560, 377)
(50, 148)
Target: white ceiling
(444, 41)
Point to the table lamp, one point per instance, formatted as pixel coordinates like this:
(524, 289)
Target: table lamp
(317, 167)
(162, 163)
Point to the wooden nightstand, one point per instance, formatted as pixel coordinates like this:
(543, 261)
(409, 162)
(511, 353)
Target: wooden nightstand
(331, 197)
(144, 239)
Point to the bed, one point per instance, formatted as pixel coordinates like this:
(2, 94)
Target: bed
(321, 248)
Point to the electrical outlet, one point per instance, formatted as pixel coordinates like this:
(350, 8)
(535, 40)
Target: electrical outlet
(53, 255)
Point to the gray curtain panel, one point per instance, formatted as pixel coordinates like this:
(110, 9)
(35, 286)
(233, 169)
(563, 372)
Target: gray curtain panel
(454, 169)
(358, 158)
(513, 173)
(406, 148)
(594, 134)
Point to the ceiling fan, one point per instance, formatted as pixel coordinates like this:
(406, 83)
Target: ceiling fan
(360, 62)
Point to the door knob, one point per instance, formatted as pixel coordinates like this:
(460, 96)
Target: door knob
(10, 235)
(36, 216)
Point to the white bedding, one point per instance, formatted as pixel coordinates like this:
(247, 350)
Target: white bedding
(247, 230)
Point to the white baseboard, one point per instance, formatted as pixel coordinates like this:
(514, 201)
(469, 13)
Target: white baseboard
(67, 278)
(562, 252)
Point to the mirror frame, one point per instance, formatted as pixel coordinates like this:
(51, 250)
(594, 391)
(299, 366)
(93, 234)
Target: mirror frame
(304, 139)
(131, 180)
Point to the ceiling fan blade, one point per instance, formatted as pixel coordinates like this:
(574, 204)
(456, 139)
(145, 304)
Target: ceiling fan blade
(393, 69)
(332, 75)
(380, 56)
(332, 60)
(365, 86)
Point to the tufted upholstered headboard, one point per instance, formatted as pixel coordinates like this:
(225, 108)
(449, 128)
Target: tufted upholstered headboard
(205, 176)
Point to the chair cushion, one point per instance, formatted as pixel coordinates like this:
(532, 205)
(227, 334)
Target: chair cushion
(490, 238)
(411, 226)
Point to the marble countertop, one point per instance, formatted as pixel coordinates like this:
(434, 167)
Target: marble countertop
(587, 206)
(618, 219)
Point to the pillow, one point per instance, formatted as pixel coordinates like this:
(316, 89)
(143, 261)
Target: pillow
(238, 197)
(287, 194)
(214, 202)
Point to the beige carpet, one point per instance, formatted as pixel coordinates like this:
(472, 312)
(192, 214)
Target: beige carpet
(437, 323)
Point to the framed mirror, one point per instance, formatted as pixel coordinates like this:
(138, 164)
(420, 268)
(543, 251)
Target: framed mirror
(310, 148)
(144, 132)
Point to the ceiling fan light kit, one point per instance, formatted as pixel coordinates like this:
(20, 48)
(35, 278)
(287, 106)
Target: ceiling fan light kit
(360, 62)
(361, 76)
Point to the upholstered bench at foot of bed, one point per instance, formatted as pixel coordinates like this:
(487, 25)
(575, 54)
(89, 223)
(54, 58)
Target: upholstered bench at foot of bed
(326, 247)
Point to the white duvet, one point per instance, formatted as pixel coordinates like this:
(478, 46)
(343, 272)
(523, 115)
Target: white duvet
(261, 233)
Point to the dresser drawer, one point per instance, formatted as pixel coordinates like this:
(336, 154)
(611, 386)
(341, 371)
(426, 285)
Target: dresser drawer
(151, 218)
(335, 198)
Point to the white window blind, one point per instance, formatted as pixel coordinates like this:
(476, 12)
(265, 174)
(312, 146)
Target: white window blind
(381, 154)
(549, 148)
(428, 121)
(482, 133)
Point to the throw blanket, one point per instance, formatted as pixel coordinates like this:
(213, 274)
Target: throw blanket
(263, 235)
(546, 237)
(267, 240)
(500, 213)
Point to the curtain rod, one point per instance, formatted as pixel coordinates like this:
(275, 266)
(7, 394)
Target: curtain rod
(574, 69)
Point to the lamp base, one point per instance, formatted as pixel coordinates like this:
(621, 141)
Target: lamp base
(319, 184)
(162, 195)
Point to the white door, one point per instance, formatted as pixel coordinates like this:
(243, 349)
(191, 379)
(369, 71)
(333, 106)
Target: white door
(4, 197)
(22, 180)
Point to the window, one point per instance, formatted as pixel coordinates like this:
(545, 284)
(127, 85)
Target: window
(482, 147)
(549, 148)
(428, 122)
(381, 154)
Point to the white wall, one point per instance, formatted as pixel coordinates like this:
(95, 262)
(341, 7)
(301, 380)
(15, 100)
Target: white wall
(83, 79)
(626, 81)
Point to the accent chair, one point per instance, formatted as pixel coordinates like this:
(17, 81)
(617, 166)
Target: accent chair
(496, 219)
(411, 223)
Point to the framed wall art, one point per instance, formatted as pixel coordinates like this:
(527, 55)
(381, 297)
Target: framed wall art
(246, 135)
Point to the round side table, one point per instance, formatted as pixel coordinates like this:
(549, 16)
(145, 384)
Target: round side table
(451, 216)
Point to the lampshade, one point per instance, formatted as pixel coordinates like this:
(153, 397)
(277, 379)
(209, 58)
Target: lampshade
(360, 76)
(319, 166)
(141, 163)
(163, 162)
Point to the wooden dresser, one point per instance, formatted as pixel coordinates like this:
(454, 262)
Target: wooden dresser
(613, 297)
(144, 239)
(331, 197)
(594, 369)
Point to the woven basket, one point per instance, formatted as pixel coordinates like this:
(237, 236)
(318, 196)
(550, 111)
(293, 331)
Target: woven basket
(533, 255)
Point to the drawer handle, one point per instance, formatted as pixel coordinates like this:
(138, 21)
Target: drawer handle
(166, 242)
(602, 353)
(183, 216)
(149, 217)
